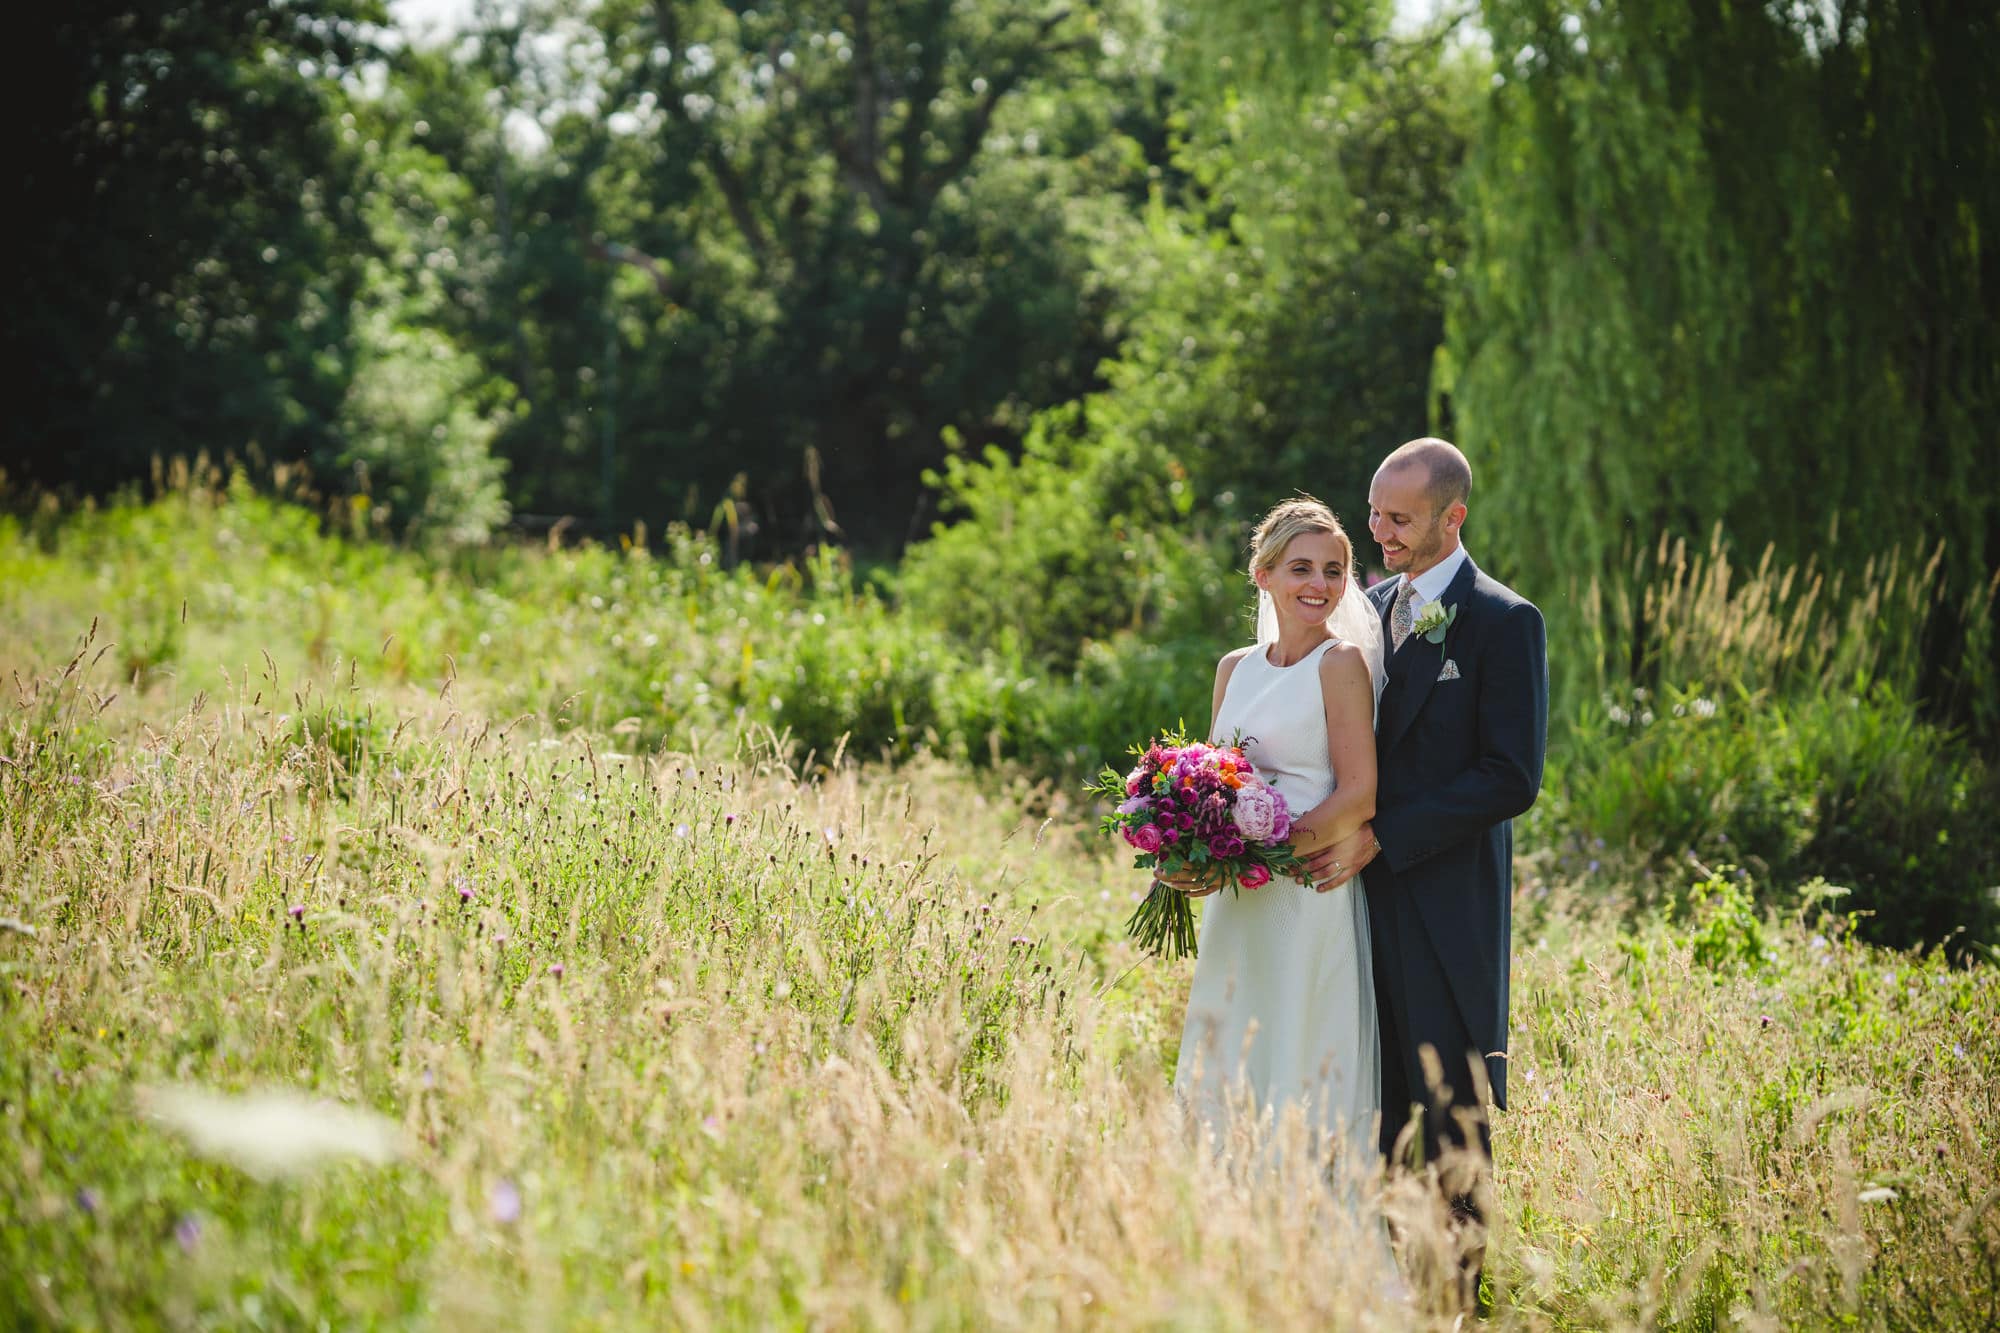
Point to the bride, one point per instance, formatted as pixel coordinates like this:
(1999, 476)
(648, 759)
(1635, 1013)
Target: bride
(1281, 1020)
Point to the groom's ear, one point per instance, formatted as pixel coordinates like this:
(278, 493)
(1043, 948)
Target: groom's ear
(1454, 516)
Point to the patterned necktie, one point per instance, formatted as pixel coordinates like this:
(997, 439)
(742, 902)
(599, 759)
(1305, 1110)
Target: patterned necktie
(1401, 616)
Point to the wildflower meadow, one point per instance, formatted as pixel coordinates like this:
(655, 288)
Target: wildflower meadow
(353, 975)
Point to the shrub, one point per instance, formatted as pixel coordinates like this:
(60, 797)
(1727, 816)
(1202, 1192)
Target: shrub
(1776, 718)
(1858, 789)
(1074, 542)
(1904, 816)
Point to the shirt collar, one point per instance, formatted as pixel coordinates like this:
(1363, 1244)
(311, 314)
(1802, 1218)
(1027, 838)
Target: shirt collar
(1432, 582)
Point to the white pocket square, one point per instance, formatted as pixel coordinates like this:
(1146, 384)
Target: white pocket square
(1449, 671)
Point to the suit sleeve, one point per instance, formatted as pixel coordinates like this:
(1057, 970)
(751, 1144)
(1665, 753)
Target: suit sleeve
(1513, 711)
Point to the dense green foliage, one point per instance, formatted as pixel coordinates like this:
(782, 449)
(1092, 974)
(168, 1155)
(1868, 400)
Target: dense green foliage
(1733, 262)
(183, 264)
(1774, 718)
(656, 644)
(1291, 292)
(1653, 263)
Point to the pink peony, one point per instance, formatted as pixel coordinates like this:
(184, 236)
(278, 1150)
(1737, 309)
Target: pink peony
(1256, 811)
(1146, 837)
(1254, 877)
(1134, 805)
(1281, 827)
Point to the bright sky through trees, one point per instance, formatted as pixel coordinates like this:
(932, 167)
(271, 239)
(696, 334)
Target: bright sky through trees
(424, 17)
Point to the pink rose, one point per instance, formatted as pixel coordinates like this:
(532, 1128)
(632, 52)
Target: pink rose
(1146, 837)
(1254, 877)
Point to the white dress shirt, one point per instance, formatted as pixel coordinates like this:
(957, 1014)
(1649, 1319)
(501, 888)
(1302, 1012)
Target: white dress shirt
(1433, 581)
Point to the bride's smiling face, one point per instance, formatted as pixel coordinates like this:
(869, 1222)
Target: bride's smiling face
(1309, 578)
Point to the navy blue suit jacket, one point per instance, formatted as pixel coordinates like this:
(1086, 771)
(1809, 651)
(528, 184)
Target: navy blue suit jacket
(1457, 759)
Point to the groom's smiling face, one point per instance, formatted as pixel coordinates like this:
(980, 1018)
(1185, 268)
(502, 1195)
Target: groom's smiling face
(1404, 520)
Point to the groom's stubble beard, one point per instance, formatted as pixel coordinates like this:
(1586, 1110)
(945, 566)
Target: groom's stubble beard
(1438, 543)
(1421, 554)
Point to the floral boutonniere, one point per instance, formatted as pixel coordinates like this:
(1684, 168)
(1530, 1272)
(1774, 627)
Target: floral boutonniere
(1434, 620)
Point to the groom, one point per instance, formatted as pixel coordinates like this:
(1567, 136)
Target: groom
(1459, 741)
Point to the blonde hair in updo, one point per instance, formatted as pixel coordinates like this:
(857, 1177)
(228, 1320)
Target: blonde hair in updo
(1294, 518)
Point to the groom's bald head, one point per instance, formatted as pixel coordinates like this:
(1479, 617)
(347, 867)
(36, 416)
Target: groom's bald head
(1447, 476)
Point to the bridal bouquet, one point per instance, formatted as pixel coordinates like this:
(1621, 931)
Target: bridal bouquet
(1188, 806)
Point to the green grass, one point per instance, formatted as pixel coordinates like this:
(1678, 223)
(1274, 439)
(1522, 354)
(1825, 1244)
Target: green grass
(829, 1045)
(654, 644)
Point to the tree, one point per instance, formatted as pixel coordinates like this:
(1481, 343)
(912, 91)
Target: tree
(181, 259)
(1285, 300)
(844, 227)
(1732, 263)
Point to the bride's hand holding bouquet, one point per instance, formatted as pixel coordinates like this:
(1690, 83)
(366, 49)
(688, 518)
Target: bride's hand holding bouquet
(1203, 819)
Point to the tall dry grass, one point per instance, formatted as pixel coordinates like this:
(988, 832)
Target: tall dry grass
(1704, 615)
(710, 1046)
(717, 1043)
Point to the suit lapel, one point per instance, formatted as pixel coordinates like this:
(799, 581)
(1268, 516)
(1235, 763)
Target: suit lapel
(1383, 595)
(1414, 667)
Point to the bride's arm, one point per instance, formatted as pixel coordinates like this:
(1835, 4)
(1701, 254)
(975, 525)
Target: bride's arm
(1349, 695)
(1223, 670)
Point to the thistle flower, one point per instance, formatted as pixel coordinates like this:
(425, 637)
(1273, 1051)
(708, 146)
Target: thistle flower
(503, 1202)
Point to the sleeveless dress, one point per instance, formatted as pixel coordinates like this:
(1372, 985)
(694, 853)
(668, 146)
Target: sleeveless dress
(1282, 1010)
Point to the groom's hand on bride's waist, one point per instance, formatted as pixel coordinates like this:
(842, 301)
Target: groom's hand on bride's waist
(1333, 866)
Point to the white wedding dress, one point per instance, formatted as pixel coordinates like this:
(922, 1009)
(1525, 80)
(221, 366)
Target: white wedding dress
(1281, 1018)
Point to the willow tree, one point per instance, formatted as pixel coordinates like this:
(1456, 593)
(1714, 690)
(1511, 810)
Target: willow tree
(1732, 262)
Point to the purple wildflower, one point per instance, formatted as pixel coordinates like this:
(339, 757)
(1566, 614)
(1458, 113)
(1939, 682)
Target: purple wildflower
(503, 1201)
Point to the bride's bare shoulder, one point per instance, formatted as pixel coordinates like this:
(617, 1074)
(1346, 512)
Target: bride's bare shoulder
(1230, 659)
(1345, 664)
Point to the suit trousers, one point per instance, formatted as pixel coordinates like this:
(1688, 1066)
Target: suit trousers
(1452, 1114)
